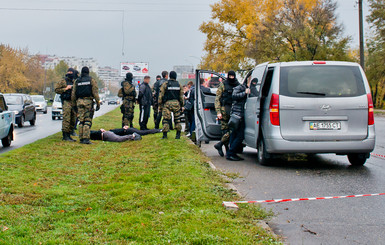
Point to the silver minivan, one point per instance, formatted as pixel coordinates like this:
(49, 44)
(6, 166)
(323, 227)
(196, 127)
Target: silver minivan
(299, 107)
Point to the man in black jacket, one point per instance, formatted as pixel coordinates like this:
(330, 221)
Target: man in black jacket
(145, 101)
(223, 102)
(237, 134)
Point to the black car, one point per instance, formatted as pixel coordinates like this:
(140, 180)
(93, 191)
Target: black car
(113, 101)
(23, 107)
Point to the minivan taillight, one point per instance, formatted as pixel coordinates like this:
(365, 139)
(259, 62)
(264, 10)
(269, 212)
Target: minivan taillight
(370, 110)
(274, 110)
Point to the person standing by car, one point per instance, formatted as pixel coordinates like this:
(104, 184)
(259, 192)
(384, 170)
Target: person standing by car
(128, 94)
(155, 105)
(157, 91)
(145, 101)
(223, 103)
(64, 88)
(171, 100)
(237, 121)
(84, 92)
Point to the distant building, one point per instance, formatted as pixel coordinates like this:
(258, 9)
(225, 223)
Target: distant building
(185, 71)
(50, 62)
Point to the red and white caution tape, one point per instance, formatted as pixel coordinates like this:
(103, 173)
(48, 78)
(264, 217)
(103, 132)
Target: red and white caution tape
(301, 199)
(378, 155)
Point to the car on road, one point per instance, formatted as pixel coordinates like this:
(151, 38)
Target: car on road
(307, 107)
(113, 101)
(23, 107)
(40, 103)
(7, 121)
(57, 108)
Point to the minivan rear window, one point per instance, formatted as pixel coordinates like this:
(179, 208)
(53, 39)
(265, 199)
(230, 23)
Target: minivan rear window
(321, 81)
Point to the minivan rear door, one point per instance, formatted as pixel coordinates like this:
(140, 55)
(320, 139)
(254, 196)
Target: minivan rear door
(323, 102)
(252, 108)
(206, 123)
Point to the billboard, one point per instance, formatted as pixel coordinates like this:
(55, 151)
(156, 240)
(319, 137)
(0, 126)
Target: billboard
(137, 69)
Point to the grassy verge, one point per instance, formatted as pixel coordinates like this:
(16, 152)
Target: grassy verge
(152, 191)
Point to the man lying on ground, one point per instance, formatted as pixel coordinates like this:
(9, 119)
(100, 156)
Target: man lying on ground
(121, 134)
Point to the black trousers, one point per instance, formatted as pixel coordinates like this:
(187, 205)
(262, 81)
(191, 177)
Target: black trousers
(144, 116)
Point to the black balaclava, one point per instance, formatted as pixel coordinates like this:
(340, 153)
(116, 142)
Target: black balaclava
(158, 77)
(231, 73)
(129, 77)
(254, 82)
(76, 74)
(71, 76)
(173, 75)
(85, 71)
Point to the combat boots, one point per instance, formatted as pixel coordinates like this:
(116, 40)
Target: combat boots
(86, 142)
(164, 135)
(218, 146)
(177, 135)
(67, 137)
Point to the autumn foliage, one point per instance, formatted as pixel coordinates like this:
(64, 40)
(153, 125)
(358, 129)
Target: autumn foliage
(242, 33)
(20, 72)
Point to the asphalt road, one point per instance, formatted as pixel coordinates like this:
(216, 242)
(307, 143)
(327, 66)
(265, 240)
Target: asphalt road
(44, 127)
(338, 221)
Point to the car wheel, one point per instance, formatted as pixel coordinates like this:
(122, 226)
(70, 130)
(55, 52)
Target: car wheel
(21, 123)
(7, 140)
(357, 159)
(45, 112)
(263, 156)
(53, 118)
(33, 121)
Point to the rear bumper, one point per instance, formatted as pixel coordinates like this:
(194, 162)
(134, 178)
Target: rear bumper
(58, 113)
(279, 145)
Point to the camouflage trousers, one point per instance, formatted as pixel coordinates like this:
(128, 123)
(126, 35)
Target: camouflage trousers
(171, 106)
(127, 110)
(225, 127)
(155, 108)
(85, 113)
(69, 117)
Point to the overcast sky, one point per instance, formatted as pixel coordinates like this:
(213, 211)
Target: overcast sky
(162, 32)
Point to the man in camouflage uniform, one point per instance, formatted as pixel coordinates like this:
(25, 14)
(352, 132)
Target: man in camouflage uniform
(155, 105)
(128, 94)
(171, 99)
(223, 103)
(157, 91)
(84, 92)
(64, 88)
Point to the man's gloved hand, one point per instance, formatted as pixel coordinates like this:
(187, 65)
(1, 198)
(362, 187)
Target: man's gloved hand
(75, 109)
(97, 107)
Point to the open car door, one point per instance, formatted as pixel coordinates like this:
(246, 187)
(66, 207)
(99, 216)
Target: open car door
(207, 126)
(253, 105)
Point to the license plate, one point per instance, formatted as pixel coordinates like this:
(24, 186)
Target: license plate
(325, 125)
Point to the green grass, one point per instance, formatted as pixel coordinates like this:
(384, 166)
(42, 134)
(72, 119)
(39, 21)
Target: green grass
(146, 192)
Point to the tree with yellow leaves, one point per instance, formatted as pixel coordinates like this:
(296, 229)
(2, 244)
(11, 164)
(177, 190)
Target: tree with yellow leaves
(245, 32)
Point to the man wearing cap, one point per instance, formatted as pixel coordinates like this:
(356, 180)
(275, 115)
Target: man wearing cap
(128, 94)
(64, 88)
(171, 99)
(223, 103)
(84, 92)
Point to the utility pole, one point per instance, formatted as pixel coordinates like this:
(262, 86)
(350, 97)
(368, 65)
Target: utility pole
(362, 48)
